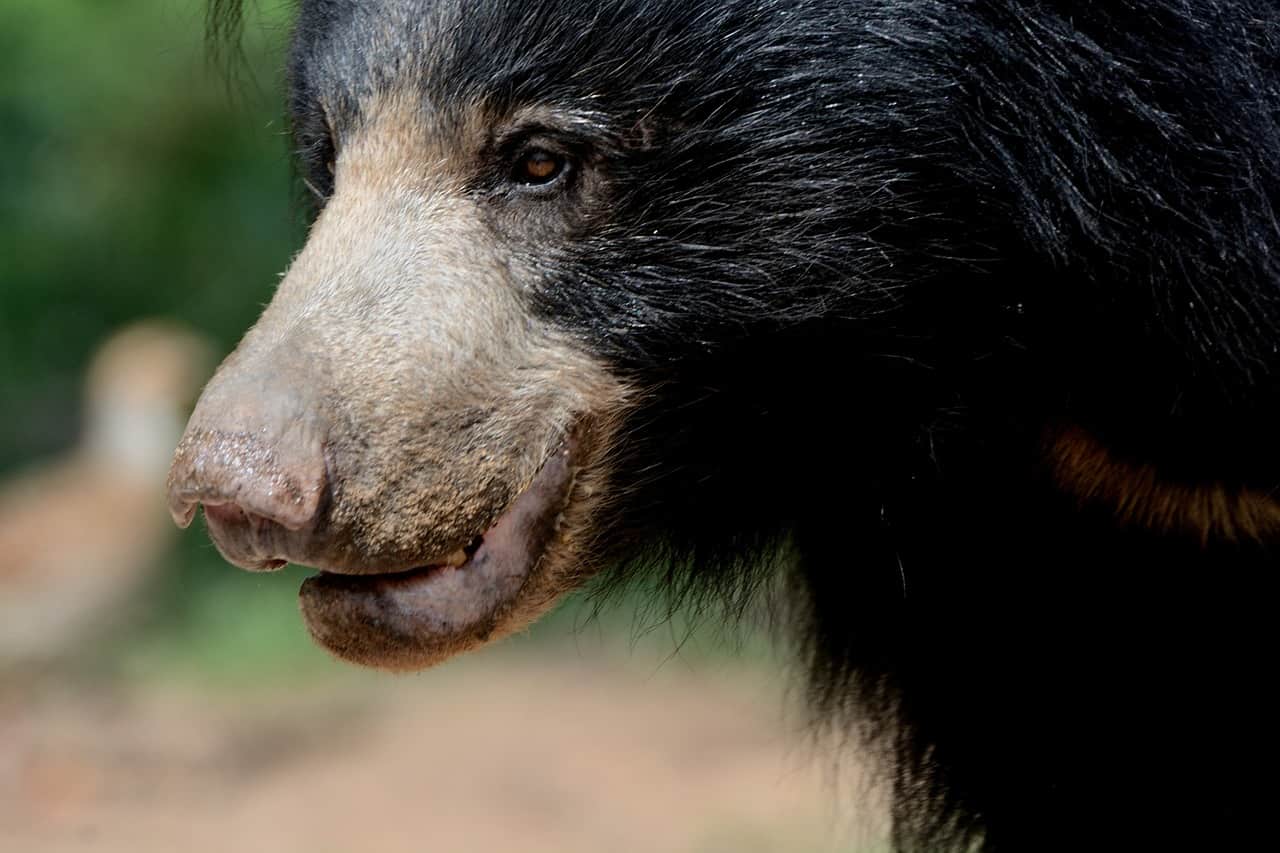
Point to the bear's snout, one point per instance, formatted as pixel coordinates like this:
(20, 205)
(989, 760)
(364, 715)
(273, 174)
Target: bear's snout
(257, 466)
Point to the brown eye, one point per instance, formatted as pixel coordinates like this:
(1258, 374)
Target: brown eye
(539, 167)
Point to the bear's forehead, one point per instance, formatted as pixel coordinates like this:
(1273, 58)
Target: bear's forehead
(611, 55)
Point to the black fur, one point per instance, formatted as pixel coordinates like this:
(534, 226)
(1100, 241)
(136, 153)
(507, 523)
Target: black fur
(863, 253)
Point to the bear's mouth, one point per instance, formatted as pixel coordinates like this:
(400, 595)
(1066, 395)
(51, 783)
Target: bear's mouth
(408, 619)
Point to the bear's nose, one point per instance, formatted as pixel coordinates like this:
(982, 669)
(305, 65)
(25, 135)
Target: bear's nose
(242, 479)
(254, 456)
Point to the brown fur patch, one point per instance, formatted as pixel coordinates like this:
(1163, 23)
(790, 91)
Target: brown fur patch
(1140, 494)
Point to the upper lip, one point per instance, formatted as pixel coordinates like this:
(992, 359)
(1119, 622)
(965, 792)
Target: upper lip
(258, 544)
(263, 546)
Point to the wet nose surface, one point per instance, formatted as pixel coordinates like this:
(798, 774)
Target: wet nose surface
(214, 467)
(258, 488)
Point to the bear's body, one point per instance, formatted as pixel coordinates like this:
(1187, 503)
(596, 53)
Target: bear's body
(970, 308)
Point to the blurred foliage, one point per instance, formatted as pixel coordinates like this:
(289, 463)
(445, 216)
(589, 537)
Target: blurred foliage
(139, 179)
(135, 180)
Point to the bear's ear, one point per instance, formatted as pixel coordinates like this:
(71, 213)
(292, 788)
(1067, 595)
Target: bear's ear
(1140, 493)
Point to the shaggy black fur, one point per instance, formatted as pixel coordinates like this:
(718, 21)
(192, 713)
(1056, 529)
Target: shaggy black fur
(863, 253)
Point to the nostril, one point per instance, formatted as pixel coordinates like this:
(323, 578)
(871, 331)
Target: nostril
(234, 515)
(182, 510)
(231, 522)
(228, 515)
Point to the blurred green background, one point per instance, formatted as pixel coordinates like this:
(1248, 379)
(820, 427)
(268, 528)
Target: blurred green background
(134, 181)
(139, 180)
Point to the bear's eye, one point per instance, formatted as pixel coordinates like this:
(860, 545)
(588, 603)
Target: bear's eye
(539, 167)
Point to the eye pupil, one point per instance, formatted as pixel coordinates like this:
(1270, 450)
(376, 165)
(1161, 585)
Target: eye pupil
(540, 167)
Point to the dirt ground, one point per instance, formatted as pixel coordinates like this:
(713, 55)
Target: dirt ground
(492, 756)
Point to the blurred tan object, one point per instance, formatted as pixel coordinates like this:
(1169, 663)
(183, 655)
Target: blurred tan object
(79, 534)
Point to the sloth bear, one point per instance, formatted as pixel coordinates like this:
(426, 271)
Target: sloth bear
(956, 321)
